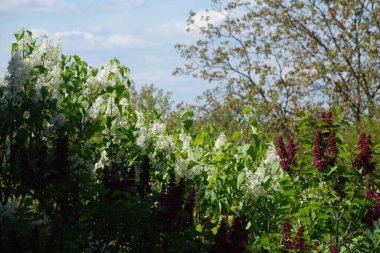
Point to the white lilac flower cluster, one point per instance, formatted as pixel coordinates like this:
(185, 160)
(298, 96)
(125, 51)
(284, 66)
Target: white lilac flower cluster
(254, 182)
(109, 75)
(155, 133)
(268, 167)
(58, 120)
(20, 68)
(272, 165)
(107, 105)
(220, 141)
(48, 56)
(95, 108)
(186, 142)
(43, 221)
(16, 78)
(102, 79)
(9, 209)
(143, 140)
(157, 128)
(102, 161)
(181, 167)
(162, 140)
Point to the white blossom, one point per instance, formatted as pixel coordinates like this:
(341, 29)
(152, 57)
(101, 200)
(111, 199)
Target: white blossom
(186, 141)
(102, 161)
(94, 110)
(268, 167)
(165, 142)
(47, 55)
(140, 122)
(181, 167)
(102, 79)
(9, 209)
(254, 181)
(272, 164)
(42, 221)
(143, 139)
(271, 156)
(112, 109)
(195, 171)
(23, 43)
(17, 76)
(123, 102)
(220, 141)
(58, 120)
(210, 170)
(157, 128)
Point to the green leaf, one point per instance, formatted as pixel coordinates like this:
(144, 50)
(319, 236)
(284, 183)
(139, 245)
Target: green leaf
(245, 148)
(44, 92)
(214, 230)
(246, 110)
(213, 196)
(240, 179)
(48, 77)
(66, 59)
(186, 113)
(264, 240)
(14, 47)
(19, 35)
(187, 124)
(111, 76)
(235, 135)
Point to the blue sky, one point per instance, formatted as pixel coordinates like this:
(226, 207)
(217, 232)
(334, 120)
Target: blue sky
(140, 33)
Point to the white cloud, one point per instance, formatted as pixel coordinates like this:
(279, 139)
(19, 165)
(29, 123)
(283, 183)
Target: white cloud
(120, 40)
(35, 5)
(168, 29)
(96, 38)
(38, 32)
(120, 4)
(204, 17)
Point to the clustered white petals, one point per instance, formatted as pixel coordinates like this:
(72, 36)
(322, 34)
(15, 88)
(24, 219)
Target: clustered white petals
(254, 182)
(157, 127)
(58, 120)
(140, 122)
(165, 142)
(181, 167)
(94, 111)
(42, 221)
(112, 109)
(9, 209)
(268, 167)
(143, 139)
(186, 141)
(222, 139)
(17, 76)
(103, 78)
(102, 161)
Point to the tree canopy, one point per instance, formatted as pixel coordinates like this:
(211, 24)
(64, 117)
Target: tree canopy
(285, 57)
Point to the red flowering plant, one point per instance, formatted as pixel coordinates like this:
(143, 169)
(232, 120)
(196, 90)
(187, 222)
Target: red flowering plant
(329, 192)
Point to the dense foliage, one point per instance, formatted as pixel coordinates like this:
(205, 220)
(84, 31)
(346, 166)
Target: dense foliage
(82, 169)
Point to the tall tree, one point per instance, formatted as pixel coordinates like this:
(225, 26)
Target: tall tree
(150, 98)
(287, 56)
